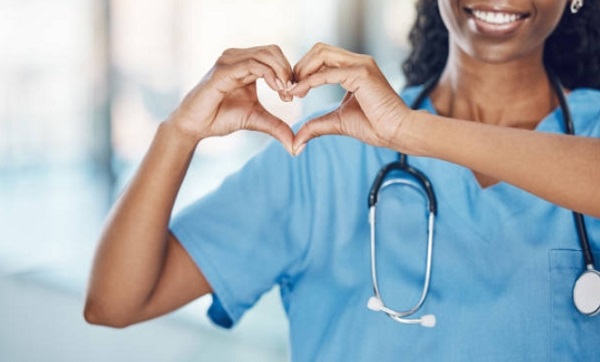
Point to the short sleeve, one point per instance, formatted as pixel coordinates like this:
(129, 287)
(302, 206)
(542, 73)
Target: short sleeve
(244, 236)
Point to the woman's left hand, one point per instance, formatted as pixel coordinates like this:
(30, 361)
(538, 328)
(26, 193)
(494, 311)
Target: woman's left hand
(371, 111)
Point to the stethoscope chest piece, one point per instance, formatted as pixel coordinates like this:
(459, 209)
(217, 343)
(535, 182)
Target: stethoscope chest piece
(586, 293)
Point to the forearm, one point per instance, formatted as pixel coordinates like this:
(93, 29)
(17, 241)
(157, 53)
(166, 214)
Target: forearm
(564, 170)
(132, 247)
(140, 271)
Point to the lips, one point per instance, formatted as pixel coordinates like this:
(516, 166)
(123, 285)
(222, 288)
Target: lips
(493, 22)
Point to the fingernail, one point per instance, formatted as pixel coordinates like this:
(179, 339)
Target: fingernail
(289, 84)
(279, 84)
(291, 87)
(299, 150)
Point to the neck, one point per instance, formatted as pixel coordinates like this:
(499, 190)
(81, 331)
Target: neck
(514, 94)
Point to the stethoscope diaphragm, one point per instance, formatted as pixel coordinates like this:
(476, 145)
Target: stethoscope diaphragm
(586, 293)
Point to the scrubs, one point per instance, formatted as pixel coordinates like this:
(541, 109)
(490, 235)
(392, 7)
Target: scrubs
(504, 261)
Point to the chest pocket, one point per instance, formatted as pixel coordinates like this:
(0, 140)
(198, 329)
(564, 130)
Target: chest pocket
(574, 337)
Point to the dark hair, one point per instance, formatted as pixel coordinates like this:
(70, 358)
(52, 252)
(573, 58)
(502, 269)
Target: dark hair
(572, 51)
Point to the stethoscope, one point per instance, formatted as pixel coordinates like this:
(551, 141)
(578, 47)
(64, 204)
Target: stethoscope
(586, 292)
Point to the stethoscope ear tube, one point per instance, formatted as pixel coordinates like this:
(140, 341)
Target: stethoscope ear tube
(422, 185)
(586, 292)
(403, 167)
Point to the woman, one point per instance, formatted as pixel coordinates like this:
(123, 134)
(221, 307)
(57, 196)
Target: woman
(506, 253)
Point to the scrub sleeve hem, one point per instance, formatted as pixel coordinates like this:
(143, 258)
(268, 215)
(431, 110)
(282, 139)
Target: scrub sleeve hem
(220, 312)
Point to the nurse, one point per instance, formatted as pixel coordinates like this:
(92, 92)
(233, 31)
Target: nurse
(490, 138)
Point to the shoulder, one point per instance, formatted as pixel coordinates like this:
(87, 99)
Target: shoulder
(585, 97)
(584, 104)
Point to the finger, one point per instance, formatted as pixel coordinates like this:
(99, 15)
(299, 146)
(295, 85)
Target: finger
(285, 97)
(270, 55)
(328, 124)
(306, 64)
(349, 78)
(323, 55)
(240, 74)
(262, 120)
(284, 72)
(273, 56)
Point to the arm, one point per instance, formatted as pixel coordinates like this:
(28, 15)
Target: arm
(140, 271)
(561, 169)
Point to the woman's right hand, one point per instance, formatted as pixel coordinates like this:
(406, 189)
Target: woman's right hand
(225, 100)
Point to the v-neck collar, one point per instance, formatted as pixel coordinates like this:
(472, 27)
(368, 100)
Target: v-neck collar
(484, 210)
(552, 123)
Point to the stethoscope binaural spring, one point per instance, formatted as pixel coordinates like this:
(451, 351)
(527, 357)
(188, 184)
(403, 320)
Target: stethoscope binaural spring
(586, 292)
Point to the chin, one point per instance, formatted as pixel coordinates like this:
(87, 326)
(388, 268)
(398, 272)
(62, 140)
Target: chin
(501, 53)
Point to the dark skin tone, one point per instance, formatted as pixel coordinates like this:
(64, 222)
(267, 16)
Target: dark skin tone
(483, 77)
(141, 271)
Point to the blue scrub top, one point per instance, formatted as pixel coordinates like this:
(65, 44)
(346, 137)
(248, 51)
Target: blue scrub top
(504, 261)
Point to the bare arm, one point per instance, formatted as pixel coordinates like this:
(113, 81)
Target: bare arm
(564, 170)
(140, 271)
(138, 262)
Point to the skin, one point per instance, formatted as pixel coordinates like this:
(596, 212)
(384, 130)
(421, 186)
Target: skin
(483, 75)
(136, 242)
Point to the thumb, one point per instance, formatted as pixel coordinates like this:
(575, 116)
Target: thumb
(263, 121)
(328, 124)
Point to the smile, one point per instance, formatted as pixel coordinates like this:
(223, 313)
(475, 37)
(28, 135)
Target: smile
(495, 22)
(496, 18)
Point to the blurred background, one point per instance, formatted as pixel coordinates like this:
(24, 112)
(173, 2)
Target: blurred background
(83, 86)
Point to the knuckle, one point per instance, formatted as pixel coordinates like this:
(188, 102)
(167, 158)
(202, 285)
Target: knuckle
(230, 51)
(319, 47)
(222, 60)
(363, 70)
(274, 48)
(249, 63)
(264, 51)
(368, 59)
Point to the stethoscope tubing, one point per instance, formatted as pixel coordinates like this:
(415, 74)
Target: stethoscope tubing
(586, 298)
(430, 232)
(588, 257)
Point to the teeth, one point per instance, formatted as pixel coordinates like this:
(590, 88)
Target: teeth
(495, 18)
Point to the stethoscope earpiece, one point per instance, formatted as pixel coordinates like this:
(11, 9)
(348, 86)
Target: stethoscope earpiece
(586, 293)
(376, 304)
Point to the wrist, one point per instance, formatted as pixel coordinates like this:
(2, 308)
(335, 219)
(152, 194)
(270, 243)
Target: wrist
(408, 135)
(179, 125)
(177, 134)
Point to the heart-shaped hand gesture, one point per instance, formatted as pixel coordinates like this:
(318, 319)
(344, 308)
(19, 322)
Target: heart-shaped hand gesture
(226, 99)
(371, 111)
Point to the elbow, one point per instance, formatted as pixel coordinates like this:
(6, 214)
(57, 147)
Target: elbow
(96, 314)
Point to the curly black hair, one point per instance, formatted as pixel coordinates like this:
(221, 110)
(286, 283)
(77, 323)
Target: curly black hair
(572, 51)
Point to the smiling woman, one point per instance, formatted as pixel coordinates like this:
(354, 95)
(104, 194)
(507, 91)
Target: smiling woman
(487, 128)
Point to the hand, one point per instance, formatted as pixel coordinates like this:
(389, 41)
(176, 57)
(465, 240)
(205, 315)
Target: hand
(226, 101)
(371, 111)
